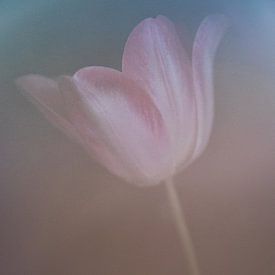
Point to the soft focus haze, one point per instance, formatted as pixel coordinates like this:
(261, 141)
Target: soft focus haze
(61, 213)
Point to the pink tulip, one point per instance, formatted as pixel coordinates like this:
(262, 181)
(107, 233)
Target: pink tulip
(149, 121)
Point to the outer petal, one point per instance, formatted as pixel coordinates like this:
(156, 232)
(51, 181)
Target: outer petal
(45, 95)
(126, 121)
(60, 104)
(154, 57)
(205, 45)
(89, 138)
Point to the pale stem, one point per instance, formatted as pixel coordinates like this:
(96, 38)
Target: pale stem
(183, 231)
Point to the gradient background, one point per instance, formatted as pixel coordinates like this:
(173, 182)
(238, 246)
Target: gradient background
(61, 213)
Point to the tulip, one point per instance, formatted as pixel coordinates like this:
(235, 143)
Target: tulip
(149, 121)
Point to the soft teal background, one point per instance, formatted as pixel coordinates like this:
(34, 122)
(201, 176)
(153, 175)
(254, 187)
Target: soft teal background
(60, 213)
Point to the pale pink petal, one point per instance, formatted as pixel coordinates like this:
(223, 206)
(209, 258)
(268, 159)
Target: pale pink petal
(126, 120)
(86, 129)
(205, 45)
(156, 59)
(45, 95)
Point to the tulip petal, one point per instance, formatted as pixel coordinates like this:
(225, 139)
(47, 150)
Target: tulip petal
(88, 136)
(205, 45)
(44, 94)
(156, 59)
(125, 119)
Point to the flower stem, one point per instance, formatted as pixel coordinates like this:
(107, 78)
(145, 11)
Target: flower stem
(183, 231)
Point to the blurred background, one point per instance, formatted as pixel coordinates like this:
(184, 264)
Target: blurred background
(61, 213)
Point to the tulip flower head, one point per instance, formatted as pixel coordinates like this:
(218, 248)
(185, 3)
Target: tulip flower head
(148, 121)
